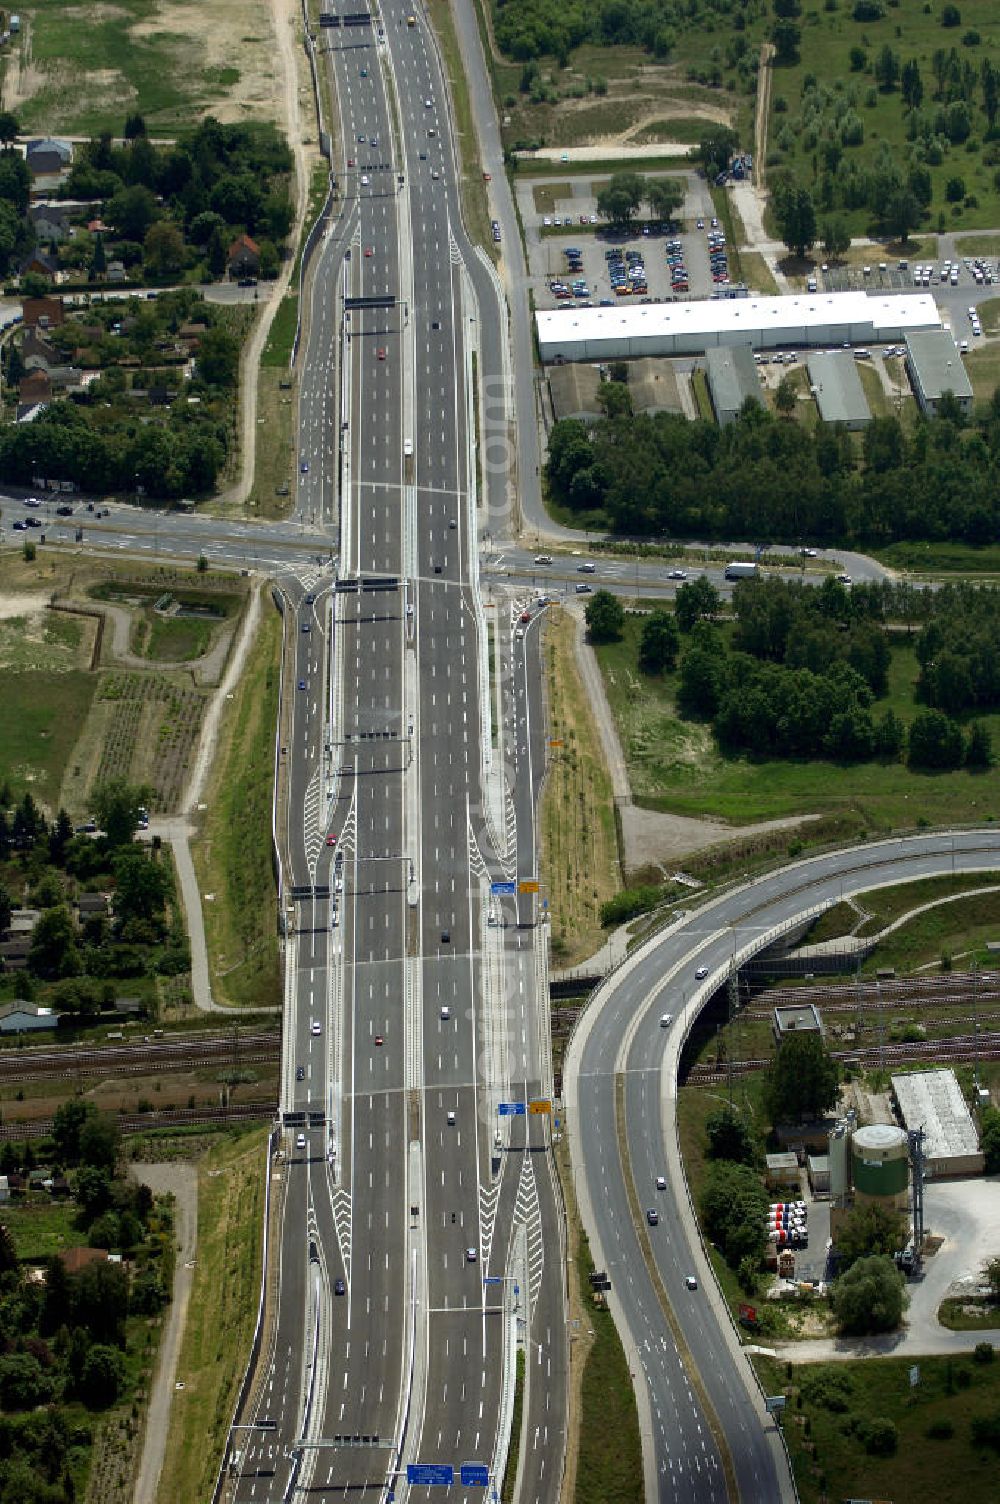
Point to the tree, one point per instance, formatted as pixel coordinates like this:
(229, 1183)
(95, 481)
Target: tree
(93, 1190)
(912, 84)
(696, 600)
(132, 211)
(803, 1079)
(218, 358)
(978, 748)
(100, 1301)
(787, 10)
(786, 396)
(716, 149)
(605, 617)
(990, 79)
(163, 247)
(871, 1229)
(67, 1125)
(659, 643)
(787, 38)
(664, 196)
(618, 201)
(23, 1385)
(103, 1376)
(15, 181)
(935, 742)
(886, 69)
(8, 1250)
(902, 214)
(951, 16)
(869, 1297)
(142, 887)
(5, 909)
(989, 1138)
(99, 260)
(99, 1139)
(734, 1209)
(730, 1137)
(53, 950)
(10, 128)
(135, 126)
(836, 236)
(796, 216)
(116, 806)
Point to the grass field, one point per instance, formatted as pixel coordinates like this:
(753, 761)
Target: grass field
(83, 64)
(961, 931)
(756, 273)
(221, 1315)
(674, 765)
(579, 855)
(277, 351)
(934, 1459)
(274, 468)
(233, 855)
(983, 366)
(42, 716)
(941, 558)
(886, 904)
(912, 33)
(41, 1226)
(968, 1315)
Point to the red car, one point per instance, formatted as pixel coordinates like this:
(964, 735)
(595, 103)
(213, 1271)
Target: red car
(331, 840)
(369, 250)
(381, 354)
(525, 615)
(379, 1039)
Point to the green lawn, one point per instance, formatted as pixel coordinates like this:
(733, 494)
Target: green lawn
(41, 719)
(935, 1458)
(961, 930)
(674, 764)
(41, 1226)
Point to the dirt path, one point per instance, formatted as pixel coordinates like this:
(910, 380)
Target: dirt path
(286, 17)
(180, 1181)
(206, 669)
(761, 113)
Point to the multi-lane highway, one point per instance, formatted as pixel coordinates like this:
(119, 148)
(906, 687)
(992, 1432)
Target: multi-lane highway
(420, 1242)
(623, 1045)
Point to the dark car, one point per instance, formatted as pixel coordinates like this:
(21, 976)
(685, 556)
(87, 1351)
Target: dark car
(300, 1073)
(339, 1288)
(446, 937)
(652, 1216)
(64, 511)
(302, 684)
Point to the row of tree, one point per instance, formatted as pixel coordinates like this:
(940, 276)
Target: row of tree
(656, 475)
(621, 198)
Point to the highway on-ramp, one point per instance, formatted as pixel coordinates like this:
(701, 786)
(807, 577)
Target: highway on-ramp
(620, 1045)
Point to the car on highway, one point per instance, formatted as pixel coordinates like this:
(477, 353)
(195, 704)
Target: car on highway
(586, 568)
(300, 1141)
(32, 522)
(369, 250)
(427, 104)
(584, 589)
(373, 141)
(314, 1027)
(445, 1012)
(20, 526)
(451, 1119)
(701, 973)
(303, 467)
(435, 174)
(381, 353)
(331, 839)
(339, 1288)
(691, 1282)
(364, 180)
(32, 501)
(423, 156)
(446, 937)
(661, 1182)
(306, 627)
(302, 684)
(379, 1040)
(652, 1216)
(525, 616)
(543, 558)
(300, 1073)
(363, 72)
(845, 579)
(64, 511)
(677, 574)
(471, 1255)
(310, 600)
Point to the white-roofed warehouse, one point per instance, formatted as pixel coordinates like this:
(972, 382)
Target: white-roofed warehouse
(808, 319)
(933, 1101)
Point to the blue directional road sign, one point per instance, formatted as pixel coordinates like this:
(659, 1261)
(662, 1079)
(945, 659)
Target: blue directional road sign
(475, 1475)
(512, 1109)
(430, 1473)
(507, 890)
(492, 1279)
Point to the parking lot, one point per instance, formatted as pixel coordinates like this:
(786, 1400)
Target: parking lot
(910, 276)
(651, 264)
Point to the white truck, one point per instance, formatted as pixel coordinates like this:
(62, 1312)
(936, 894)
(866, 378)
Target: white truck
(742, 571)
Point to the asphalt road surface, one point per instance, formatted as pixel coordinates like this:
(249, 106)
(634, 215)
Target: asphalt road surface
(622, 1041)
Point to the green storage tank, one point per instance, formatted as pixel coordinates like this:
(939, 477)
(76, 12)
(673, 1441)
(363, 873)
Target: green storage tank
(880, 1162)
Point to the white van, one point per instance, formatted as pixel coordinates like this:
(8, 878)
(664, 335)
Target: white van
(666, 1020)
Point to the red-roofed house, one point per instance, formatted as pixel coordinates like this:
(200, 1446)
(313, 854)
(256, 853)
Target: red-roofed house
(243, 259)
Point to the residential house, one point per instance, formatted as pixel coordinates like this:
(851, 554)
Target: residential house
(14, 952)
(38, 353)
(22, 922)
(92, 906)
(190, 335)
(47, 156)
(4, 1189)
(42, 313)
(98, 227)
(75, 1259)
(35, 387)
(19, 1017)
(243, 259)
(51, 221)
(117, 272)
(40, 264)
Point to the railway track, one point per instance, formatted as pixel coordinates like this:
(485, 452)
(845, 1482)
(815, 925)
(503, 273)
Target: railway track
(142, 1122)
(141, 1058)
(892, 993)
(985, 1046)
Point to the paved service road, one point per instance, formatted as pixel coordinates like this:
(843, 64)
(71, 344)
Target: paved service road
(621, 1039)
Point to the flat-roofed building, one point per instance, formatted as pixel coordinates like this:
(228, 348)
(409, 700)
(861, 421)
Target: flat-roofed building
(574, 389)
(732, 380)
(836, 386)
(652, 385)
(933, 1101)
(805, 320)
(934, 366)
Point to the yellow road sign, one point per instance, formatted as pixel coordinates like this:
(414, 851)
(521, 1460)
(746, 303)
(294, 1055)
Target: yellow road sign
(541, 1108)
(556, 741)
(528, 887)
